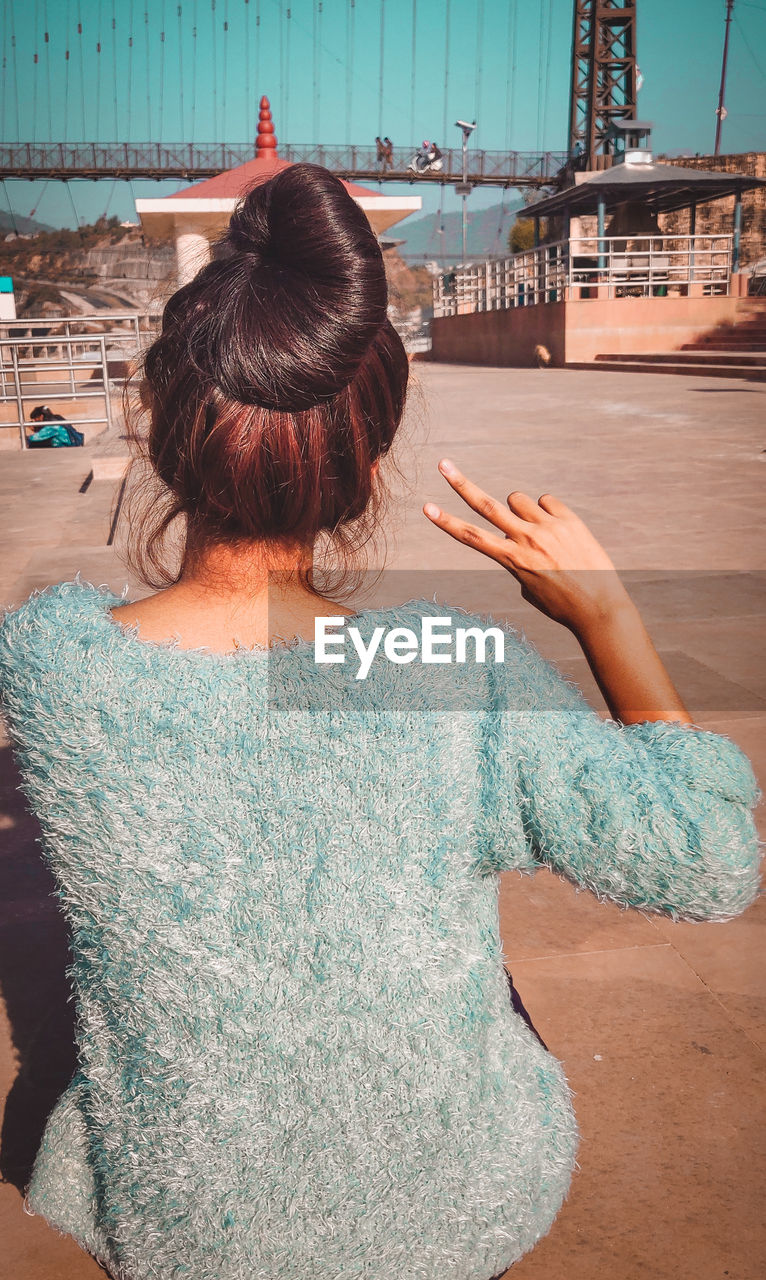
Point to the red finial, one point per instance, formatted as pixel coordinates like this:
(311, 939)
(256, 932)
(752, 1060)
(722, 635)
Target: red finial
(266, 142)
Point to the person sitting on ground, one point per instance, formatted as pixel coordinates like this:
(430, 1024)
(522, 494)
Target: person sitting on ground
(54, 432)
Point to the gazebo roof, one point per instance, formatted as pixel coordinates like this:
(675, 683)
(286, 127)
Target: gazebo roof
(659, 187)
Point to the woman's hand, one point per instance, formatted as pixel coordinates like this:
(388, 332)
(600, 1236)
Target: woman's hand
(564, 572)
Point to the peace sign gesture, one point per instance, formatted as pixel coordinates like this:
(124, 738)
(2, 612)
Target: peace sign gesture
(564, 572)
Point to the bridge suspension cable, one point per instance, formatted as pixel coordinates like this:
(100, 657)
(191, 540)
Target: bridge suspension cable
(288, 42)
(510, 84)
(382, 65)
(181, 67)
(14, 223)
(350, 37)
(99, 16)
(109, 198)
(161, 77)
(35, 63)
(446, 68)
(224, 77)
(477, 86)
(47, 47)
(68, 186)
(39, 199)
(82, 66)
(215, 70)
(414, 59)
(257, 65)
(194, 75)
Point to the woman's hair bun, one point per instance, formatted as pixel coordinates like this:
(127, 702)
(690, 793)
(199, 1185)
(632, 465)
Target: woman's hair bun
(295, 295)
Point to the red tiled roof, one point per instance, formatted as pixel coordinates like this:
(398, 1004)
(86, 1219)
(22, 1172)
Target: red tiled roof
(235, 181)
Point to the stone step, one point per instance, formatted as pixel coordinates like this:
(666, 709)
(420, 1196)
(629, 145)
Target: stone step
(692, 356)
(615, 364)
(725, 344)
(737, 331)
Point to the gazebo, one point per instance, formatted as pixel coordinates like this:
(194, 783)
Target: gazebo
(637, 185)
(196, 215)
(625, 285)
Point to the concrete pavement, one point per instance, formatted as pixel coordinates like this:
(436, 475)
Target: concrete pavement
(661, 1027)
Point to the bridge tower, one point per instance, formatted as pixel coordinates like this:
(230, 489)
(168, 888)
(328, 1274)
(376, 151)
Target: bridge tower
(603, 85)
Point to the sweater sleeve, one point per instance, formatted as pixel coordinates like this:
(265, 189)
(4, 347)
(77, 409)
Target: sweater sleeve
(655, 815)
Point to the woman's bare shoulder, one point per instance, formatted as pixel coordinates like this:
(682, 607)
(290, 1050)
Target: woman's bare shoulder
(220, 624)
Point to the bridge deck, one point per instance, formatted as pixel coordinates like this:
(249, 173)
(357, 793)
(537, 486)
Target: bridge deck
(190, 162)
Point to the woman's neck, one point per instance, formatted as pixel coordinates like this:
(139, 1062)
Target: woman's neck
(250, 594)
(246, 571)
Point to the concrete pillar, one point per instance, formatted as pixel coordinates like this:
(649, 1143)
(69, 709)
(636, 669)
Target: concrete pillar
(566, 236)
(692, 232)
(601, 228)
(603, 290)
(737, 233)
(192, 250)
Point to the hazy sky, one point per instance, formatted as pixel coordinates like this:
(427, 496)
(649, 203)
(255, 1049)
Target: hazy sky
(503, 62)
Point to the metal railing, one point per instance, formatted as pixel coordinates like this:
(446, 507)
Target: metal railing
(82, 374)
(116, 325)
(188, 161)
(640, 266)
(589, 266)
(42, 337)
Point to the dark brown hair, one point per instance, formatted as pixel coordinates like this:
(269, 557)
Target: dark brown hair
(276, 383)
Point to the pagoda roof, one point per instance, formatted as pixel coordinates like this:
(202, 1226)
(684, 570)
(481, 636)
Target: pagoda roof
(233, 183)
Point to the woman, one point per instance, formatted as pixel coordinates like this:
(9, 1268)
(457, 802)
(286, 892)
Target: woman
(297, 1055)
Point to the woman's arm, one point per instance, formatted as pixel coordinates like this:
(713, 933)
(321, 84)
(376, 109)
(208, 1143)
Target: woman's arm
(567, 575)
(628, 669)
(642, 808)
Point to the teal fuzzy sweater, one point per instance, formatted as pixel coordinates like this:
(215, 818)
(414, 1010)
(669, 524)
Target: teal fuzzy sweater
(297, 1055)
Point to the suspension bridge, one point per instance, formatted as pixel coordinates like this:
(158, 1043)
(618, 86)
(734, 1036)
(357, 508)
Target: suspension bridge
(189, 162)
(198, 68)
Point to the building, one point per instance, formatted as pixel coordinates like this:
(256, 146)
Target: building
(197, 215)
(608, 275)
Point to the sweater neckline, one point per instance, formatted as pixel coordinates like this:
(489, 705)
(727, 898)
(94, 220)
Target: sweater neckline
(104, 599)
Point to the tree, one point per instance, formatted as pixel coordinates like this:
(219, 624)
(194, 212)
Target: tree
(521, 235)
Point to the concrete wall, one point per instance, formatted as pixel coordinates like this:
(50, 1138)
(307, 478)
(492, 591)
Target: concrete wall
(717, 216)
(500, 337)
(582, 330)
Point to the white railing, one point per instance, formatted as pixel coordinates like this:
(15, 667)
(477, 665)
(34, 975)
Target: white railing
(80, 373)
(646, 266)
(588, 267)
(120, 328)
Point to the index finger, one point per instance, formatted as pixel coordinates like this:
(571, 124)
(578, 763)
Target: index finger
(497, 513)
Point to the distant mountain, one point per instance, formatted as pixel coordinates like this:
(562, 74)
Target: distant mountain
(24, 226)
(487, 234)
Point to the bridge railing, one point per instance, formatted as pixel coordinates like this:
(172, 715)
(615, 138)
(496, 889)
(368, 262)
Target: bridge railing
(489, 166)
(588, 267)
(190, 162)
